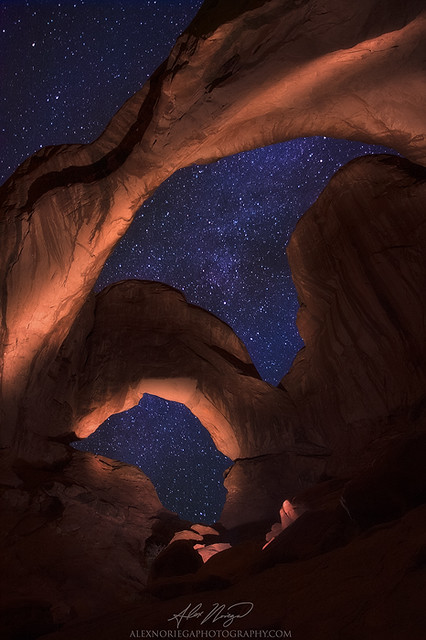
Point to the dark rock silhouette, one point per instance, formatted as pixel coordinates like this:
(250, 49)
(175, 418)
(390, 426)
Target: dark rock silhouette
(73, 537)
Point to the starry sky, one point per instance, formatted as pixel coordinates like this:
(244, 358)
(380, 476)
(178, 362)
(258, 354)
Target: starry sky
(216, 232)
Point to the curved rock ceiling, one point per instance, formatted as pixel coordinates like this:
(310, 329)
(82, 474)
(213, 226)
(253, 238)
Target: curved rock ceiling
(347, 421)
(142, 337)
(275, 71)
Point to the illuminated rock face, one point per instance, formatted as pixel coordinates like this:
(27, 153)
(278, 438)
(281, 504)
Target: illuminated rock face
(236, 79)
(69, 358)
(359, 273)
(143, 337)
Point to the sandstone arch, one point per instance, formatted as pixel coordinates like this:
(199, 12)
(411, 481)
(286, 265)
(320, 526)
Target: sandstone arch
(360, 379)
(139, 337)
(253, 78)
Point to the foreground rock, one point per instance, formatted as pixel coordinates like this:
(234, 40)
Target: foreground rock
(369, 585)
(76, 541)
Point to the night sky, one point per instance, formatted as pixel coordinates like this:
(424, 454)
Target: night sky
(216, 232)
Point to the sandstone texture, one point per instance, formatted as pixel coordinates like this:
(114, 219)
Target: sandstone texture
(342, 437)
(139, 337)
(238, 78)
(357, 259)
(352, 562)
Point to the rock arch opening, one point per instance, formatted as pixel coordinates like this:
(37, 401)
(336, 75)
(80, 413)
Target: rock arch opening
(228, 256)
(178, 455)
(356, 390)
(248, 117)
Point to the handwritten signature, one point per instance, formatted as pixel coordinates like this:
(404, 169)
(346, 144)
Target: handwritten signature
(219, 613)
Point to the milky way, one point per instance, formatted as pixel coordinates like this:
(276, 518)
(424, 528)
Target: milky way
(216, 232)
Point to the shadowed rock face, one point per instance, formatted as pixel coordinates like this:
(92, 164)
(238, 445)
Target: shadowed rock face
(73, 540)
(358, 264)
(371, 587)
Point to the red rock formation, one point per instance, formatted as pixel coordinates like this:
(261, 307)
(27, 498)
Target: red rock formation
(332, 573)
(362, 241)
(288, 514)
(360, 276)
(372, 587)
(73, 541)
(60, 222)
(358, 264)
(142, 337)
(236, 79)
